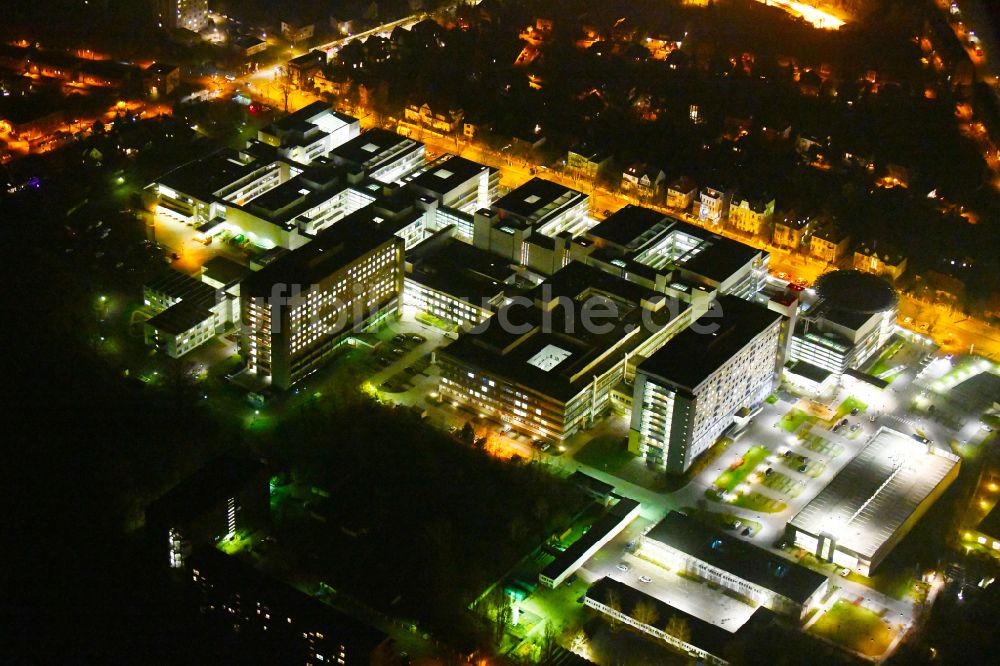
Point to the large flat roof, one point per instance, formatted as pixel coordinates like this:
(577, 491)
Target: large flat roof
(738, 557)
(332, 249)
(695, 353)
(446, 175)
(371, 147)
(598, 530)
(552, 352)
(875, 493)
(203, 177)
(183, 287)
(537, 200)
(459, 269)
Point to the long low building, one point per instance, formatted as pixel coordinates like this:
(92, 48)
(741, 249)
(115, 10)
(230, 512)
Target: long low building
(682, 543)
(874, 501)
(699, 639)
(600, 533)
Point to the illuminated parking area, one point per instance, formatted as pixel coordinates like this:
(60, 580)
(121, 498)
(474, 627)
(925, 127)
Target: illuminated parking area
(874, 501)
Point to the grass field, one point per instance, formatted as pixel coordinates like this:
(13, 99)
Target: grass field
(736, 474)
(783, 484)
(846, 407)
(756, 501)
(884, 361)
(854, 627)
(813, 467)
(609, 453)
(791, 421)
(819, 445)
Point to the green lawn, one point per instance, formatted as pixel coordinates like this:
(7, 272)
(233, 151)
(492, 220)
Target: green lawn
(756, 501)
(854, 627)
(783, 484)
(813, 467)
(819, 445)
(608, 452)
(884, 361)
(791, 421)
(739, 471)
(846, 407)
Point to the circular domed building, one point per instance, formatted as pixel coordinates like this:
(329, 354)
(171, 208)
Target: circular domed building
(855, 291)
(852, 316)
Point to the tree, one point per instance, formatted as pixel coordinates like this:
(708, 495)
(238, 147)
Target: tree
(502, 612)
(645, 612)
(467, 435)
(678, 627)
(614, 602)
(549, 643)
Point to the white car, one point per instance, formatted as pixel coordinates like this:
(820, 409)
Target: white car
(645, 579)
(622, 566)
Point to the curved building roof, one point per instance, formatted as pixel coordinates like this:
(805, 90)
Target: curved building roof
(856, 291)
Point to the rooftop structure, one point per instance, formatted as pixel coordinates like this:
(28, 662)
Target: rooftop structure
(687, 394)
(780, 584)
(457, 183)
(874, 501)
(545, 370)
(381, 154)
(675, 257)
(851, 316)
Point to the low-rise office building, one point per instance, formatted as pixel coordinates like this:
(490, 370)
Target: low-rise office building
(687, 394)
(186, 313)
(874, 501)
(283, 624)
(683, 544)
(455, 282)
(600, 533)
(673, 257)
(383, 155)
(703, 642)
(851, 316)
(457, 183)
(299, 309)
(225, 496)
(544, 365)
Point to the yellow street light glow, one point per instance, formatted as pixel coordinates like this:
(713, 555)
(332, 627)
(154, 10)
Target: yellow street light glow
(817, 17)
(994, 487)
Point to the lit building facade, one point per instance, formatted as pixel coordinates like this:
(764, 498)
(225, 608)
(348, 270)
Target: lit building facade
(187, 14)
(687, 394)
(299, 309)
(541, 369)
(751, 215)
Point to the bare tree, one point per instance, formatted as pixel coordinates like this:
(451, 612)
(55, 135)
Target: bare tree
(645, 612)
(678, 627)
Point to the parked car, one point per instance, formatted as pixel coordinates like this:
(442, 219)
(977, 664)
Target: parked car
(746, 531)
(645, 579)
(622, 566)
(855, 411)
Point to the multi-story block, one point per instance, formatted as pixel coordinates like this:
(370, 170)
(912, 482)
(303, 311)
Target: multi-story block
(455, 282)
(829, 243)
(681, 193)
(300, 308)
(541, 365)
(187, 14)
(383, 155)
(670, 256)
(187, 313)
(851, 316)
(714, 205)
(879, 261)
(751, 215)
(311, 132)
(790, 230)
(457, 183)
(687, 394)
